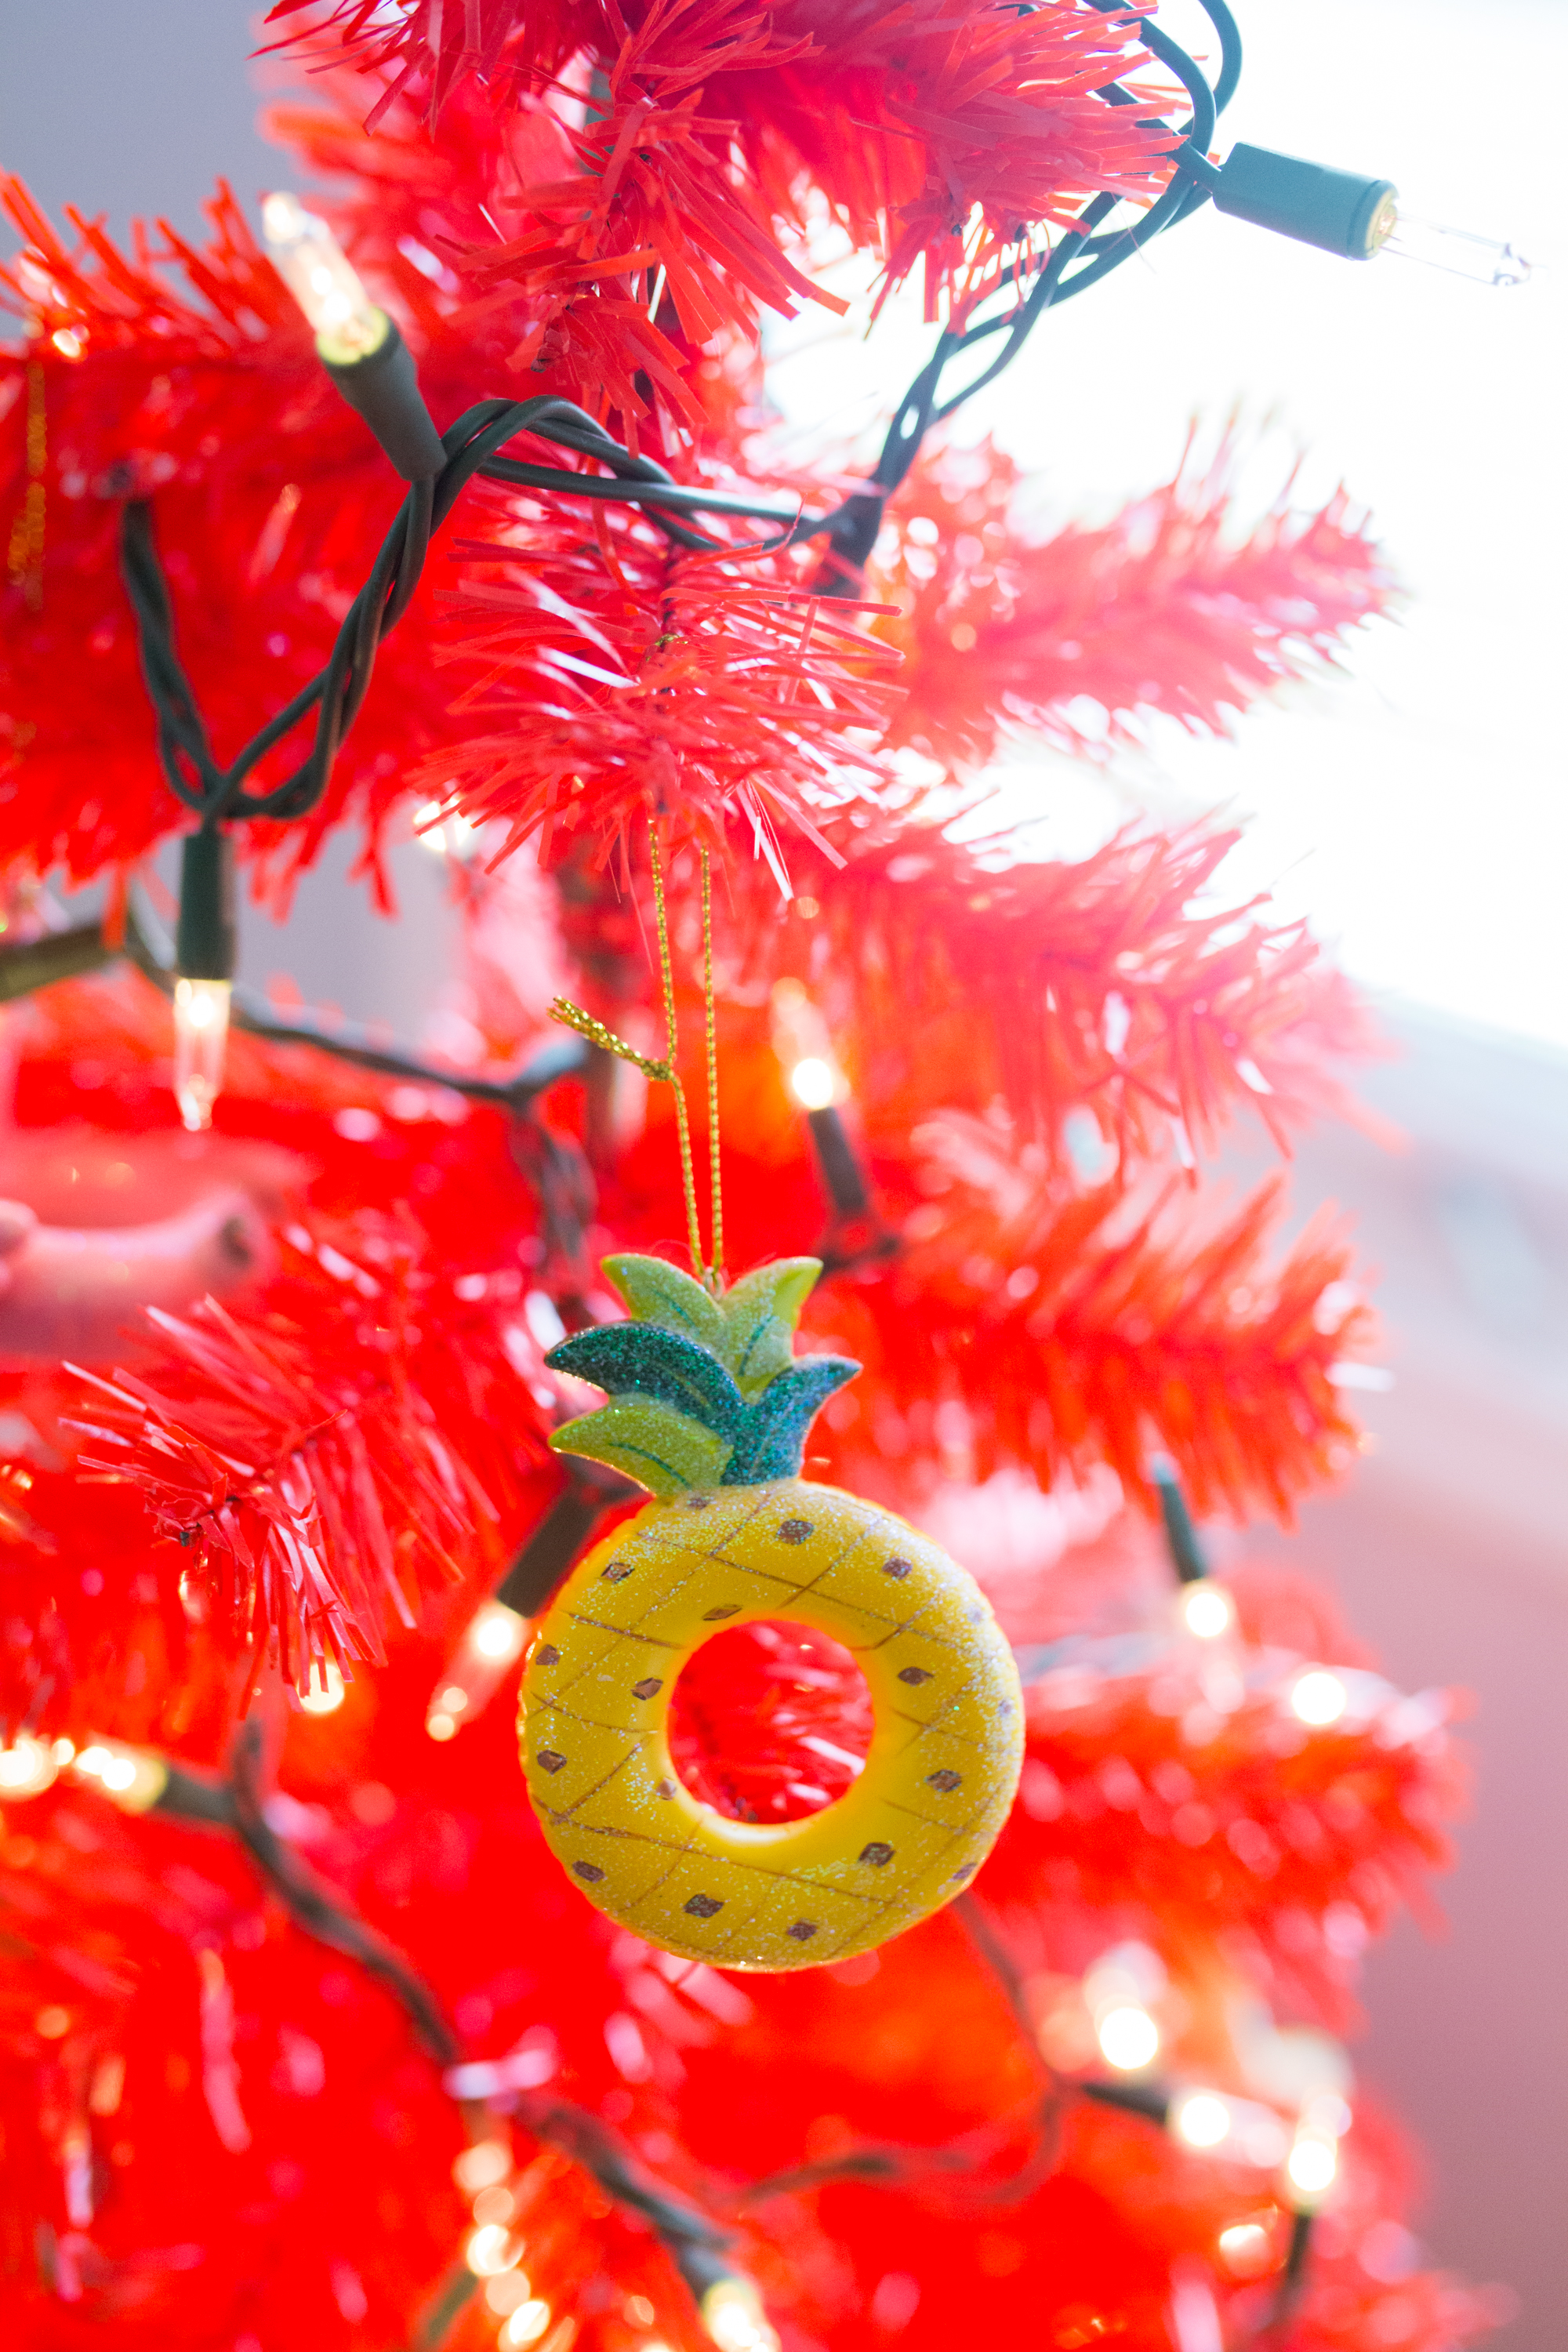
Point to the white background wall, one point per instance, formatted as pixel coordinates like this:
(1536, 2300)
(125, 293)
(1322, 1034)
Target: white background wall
(1416, 811)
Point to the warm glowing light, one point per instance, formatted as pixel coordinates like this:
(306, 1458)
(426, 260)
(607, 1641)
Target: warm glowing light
(1244, 2248)
(26, 1767)
(322, 280)
(804, 1046)
(497, 1633)
(1129, 2038)
(1319, 1697)
(1207, 1608)
(507, 2292)
(1202, 2119)
(323, 1695)
(733, 2315)
(526, 2324)
(133, 1778)
(482, 2166)
(448, 835)
(496, 2204)
(1314, 2162)
(201, 1043)
(495, 1639)
(492, 2249)
(813, 1084)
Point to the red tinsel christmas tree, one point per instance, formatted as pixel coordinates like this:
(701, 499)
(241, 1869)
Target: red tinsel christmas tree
(306, 2040)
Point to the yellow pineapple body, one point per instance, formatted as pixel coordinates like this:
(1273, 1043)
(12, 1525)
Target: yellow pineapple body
(939, 1780)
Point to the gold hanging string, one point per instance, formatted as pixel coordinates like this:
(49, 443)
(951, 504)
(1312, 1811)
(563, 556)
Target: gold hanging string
(716, 1271)
(572, 1016)
(682, 1123)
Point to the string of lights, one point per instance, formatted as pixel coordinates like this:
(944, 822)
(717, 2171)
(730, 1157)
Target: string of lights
(362, 349)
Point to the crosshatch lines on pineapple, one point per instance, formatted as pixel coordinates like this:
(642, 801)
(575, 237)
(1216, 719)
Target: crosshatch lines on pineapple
(903, 1839)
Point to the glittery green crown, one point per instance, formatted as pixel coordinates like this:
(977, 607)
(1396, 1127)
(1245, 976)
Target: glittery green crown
(704, 1391)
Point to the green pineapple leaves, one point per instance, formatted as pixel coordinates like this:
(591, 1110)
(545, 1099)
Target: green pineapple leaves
(704, 1391)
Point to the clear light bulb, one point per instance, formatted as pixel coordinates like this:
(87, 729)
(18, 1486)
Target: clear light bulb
(201, 1043)
(493, 2249)
(1319, 1697)
(733, 2315)
(495, 1639)
(812, 1082)
(526, 2324)
(1129, 2038)
(1206, 1608)
(1201, 2119)
(804, 1047)
(26, 1767)
(1313, 2163)
(323, 1694)
(134, 1780)
(322, 279)
(1484, 261)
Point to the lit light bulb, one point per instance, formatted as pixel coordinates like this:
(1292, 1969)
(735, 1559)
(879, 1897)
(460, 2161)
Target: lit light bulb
(733, 2315)
(493, 2249)
(482, 2166)
(1201, 2118)
(495, 1638)
(26, 1767)
(526, 2324)
(1314, 2162)
(1207, 1608)
(321, 278)
(323, 1694)
(447, 835)
(508, 2292)
(1129, 2038)
(1244, 2248)
(1484, 261)
(812, 1082)
(1319, 1697)
(200, 1042)
(133, 1778)
(804, 1047)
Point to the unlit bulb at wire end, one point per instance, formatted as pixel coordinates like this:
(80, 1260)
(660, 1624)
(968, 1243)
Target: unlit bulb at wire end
(1482, 259)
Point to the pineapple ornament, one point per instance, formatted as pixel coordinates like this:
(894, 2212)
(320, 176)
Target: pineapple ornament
(709, 1409)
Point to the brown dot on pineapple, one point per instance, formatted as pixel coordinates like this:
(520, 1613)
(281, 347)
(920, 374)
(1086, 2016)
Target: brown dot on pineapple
(664, 1788)
(649, 1688)
(877, 1854)
(913, 1675)
(897, 1566)
(793, 1531)
(588, 1870)
(965, 1870)
(946, 1781)
(803, 1931)
(703, 1906)
(618, 1571)
(547, 1655)
(725, 1609)
(698, 1502)
(550, 1760)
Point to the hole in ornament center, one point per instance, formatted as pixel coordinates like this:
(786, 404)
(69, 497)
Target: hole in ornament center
(770, 1722)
